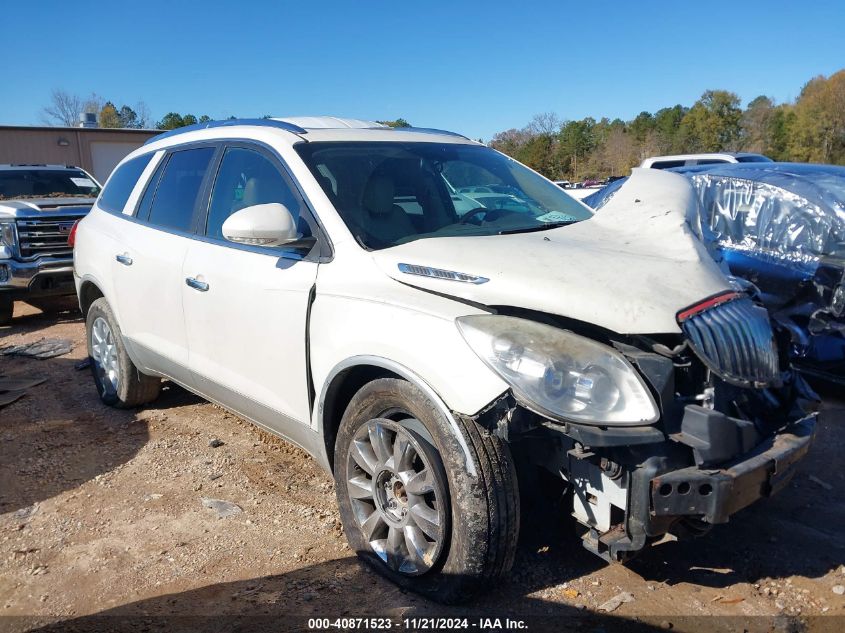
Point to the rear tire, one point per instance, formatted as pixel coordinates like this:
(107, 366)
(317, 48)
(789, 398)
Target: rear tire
(480, 512)
(118, 381)
(7, 307)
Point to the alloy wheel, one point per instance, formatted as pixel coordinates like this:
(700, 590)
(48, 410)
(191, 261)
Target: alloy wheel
(104, 354)
(397, 490)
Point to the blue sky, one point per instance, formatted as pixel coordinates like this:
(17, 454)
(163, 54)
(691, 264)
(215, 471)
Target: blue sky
(473, 67)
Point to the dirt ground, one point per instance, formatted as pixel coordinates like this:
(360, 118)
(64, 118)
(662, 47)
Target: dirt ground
(101, 513)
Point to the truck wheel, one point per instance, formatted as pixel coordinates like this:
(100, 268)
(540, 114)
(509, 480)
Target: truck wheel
(7, 307)
(118, 381)
(410, 506)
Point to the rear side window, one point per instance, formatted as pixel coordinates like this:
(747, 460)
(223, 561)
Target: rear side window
(179, 187)
(121, 184)
(143, 212)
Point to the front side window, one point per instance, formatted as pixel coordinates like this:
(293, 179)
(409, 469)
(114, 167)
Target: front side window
(177, 191)
(247, 178)
(390, 193)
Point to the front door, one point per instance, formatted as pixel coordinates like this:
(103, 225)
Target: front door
(246, 307)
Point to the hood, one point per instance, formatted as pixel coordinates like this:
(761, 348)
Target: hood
(629, 269)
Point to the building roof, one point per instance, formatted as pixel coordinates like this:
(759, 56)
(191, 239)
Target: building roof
(62, 128)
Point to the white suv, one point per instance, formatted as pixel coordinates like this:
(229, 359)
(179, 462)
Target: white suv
(713, 158)
(328, 280)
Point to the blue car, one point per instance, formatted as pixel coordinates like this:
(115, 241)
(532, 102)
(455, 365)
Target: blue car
(781, 227)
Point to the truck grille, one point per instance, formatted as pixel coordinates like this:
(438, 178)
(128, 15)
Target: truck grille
(733, 337)
(38, 237)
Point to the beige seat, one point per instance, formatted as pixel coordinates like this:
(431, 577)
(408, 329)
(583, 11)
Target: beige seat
(254, 192)
(380, 222)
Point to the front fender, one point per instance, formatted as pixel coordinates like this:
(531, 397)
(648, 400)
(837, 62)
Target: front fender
(428, 344)
(336, 374)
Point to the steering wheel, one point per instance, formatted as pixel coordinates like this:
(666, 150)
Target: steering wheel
(472, 213)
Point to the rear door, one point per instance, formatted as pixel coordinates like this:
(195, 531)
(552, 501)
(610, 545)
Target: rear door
(148, 267)
(246, 307)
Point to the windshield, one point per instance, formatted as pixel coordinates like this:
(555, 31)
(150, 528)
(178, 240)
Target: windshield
(390, 193)
(16, 184)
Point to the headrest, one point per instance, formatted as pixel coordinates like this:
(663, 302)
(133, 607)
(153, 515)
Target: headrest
(379, 194)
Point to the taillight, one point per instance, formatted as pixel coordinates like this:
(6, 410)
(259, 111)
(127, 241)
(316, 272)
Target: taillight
(71, 237)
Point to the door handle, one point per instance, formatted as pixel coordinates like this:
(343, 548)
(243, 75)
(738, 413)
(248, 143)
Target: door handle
(196, 284)
(124, 259)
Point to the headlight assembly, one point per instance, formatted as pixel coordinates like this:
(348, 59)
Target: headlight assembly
(8, 236)
(559, 374)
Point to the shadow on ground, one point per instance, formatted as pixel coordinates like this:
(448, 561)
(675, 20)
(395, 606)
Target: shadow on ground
(56, 437)
(31, 321)
(335, 589)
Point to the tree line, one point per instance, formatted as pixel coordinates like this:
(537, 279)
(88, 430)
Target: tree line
(810, 129)
(66, 109)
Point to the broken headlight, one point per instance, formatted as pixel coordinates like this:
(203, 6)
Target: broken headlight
(560, 374)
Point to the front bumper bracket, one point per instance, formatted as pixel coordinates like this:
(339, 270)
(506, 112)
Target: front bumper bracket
(714, 494)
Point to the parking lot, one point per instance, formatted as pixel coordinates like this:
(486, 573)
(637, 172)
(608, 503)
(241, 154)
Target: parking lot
(101, 512)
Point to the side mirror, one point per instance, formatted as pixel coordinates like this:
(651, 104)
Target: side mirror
(261, 225)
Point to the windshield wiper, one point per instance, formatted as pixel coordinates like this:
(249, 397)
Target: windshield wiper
(542, 227)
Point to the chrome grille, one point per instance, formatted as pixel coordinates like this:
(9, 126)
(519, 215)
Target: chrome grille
(734, 339)
(46, 236)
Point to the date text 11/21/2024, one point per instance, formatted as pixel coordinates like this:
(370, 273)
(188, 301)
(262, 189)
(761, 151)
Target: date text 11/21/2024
(417, 624)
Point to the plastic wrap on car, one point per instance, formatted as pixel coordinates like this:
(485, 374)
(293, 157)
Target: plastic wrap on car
(601, 197)
(772, 221)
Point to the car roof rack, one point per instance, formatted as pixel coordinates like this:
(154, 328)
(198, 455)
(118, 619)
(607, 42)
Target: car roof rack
(275, 123)
(429, 130)
(287, 126)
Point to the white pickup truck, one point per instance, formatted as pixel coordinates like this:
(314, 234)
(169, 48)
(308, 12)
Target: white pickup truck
(39, 205)
(326, 279)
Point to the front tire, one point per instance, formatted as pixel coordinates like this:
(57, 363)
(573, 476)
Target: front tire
(118, 381)
(409, 505)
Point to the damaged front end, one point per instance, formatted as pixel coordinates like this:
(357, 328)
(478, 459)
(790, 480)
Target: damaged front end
(781, 227)
(730, 420)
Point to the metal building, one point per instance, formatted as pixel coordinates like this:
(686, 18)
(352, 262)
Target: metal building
(96, 150)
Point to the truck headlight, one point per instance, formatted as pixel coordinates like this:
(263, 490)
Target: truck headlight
(8, 236)
(559, 374)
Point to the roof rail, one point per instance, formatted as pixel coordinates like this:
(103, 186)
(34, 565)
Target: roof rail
(281, 125)
(429, 130)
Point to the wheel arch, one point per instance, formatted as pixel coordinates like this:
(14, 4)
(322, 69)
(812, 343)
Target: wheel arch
(89, 292)
(349, 376)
